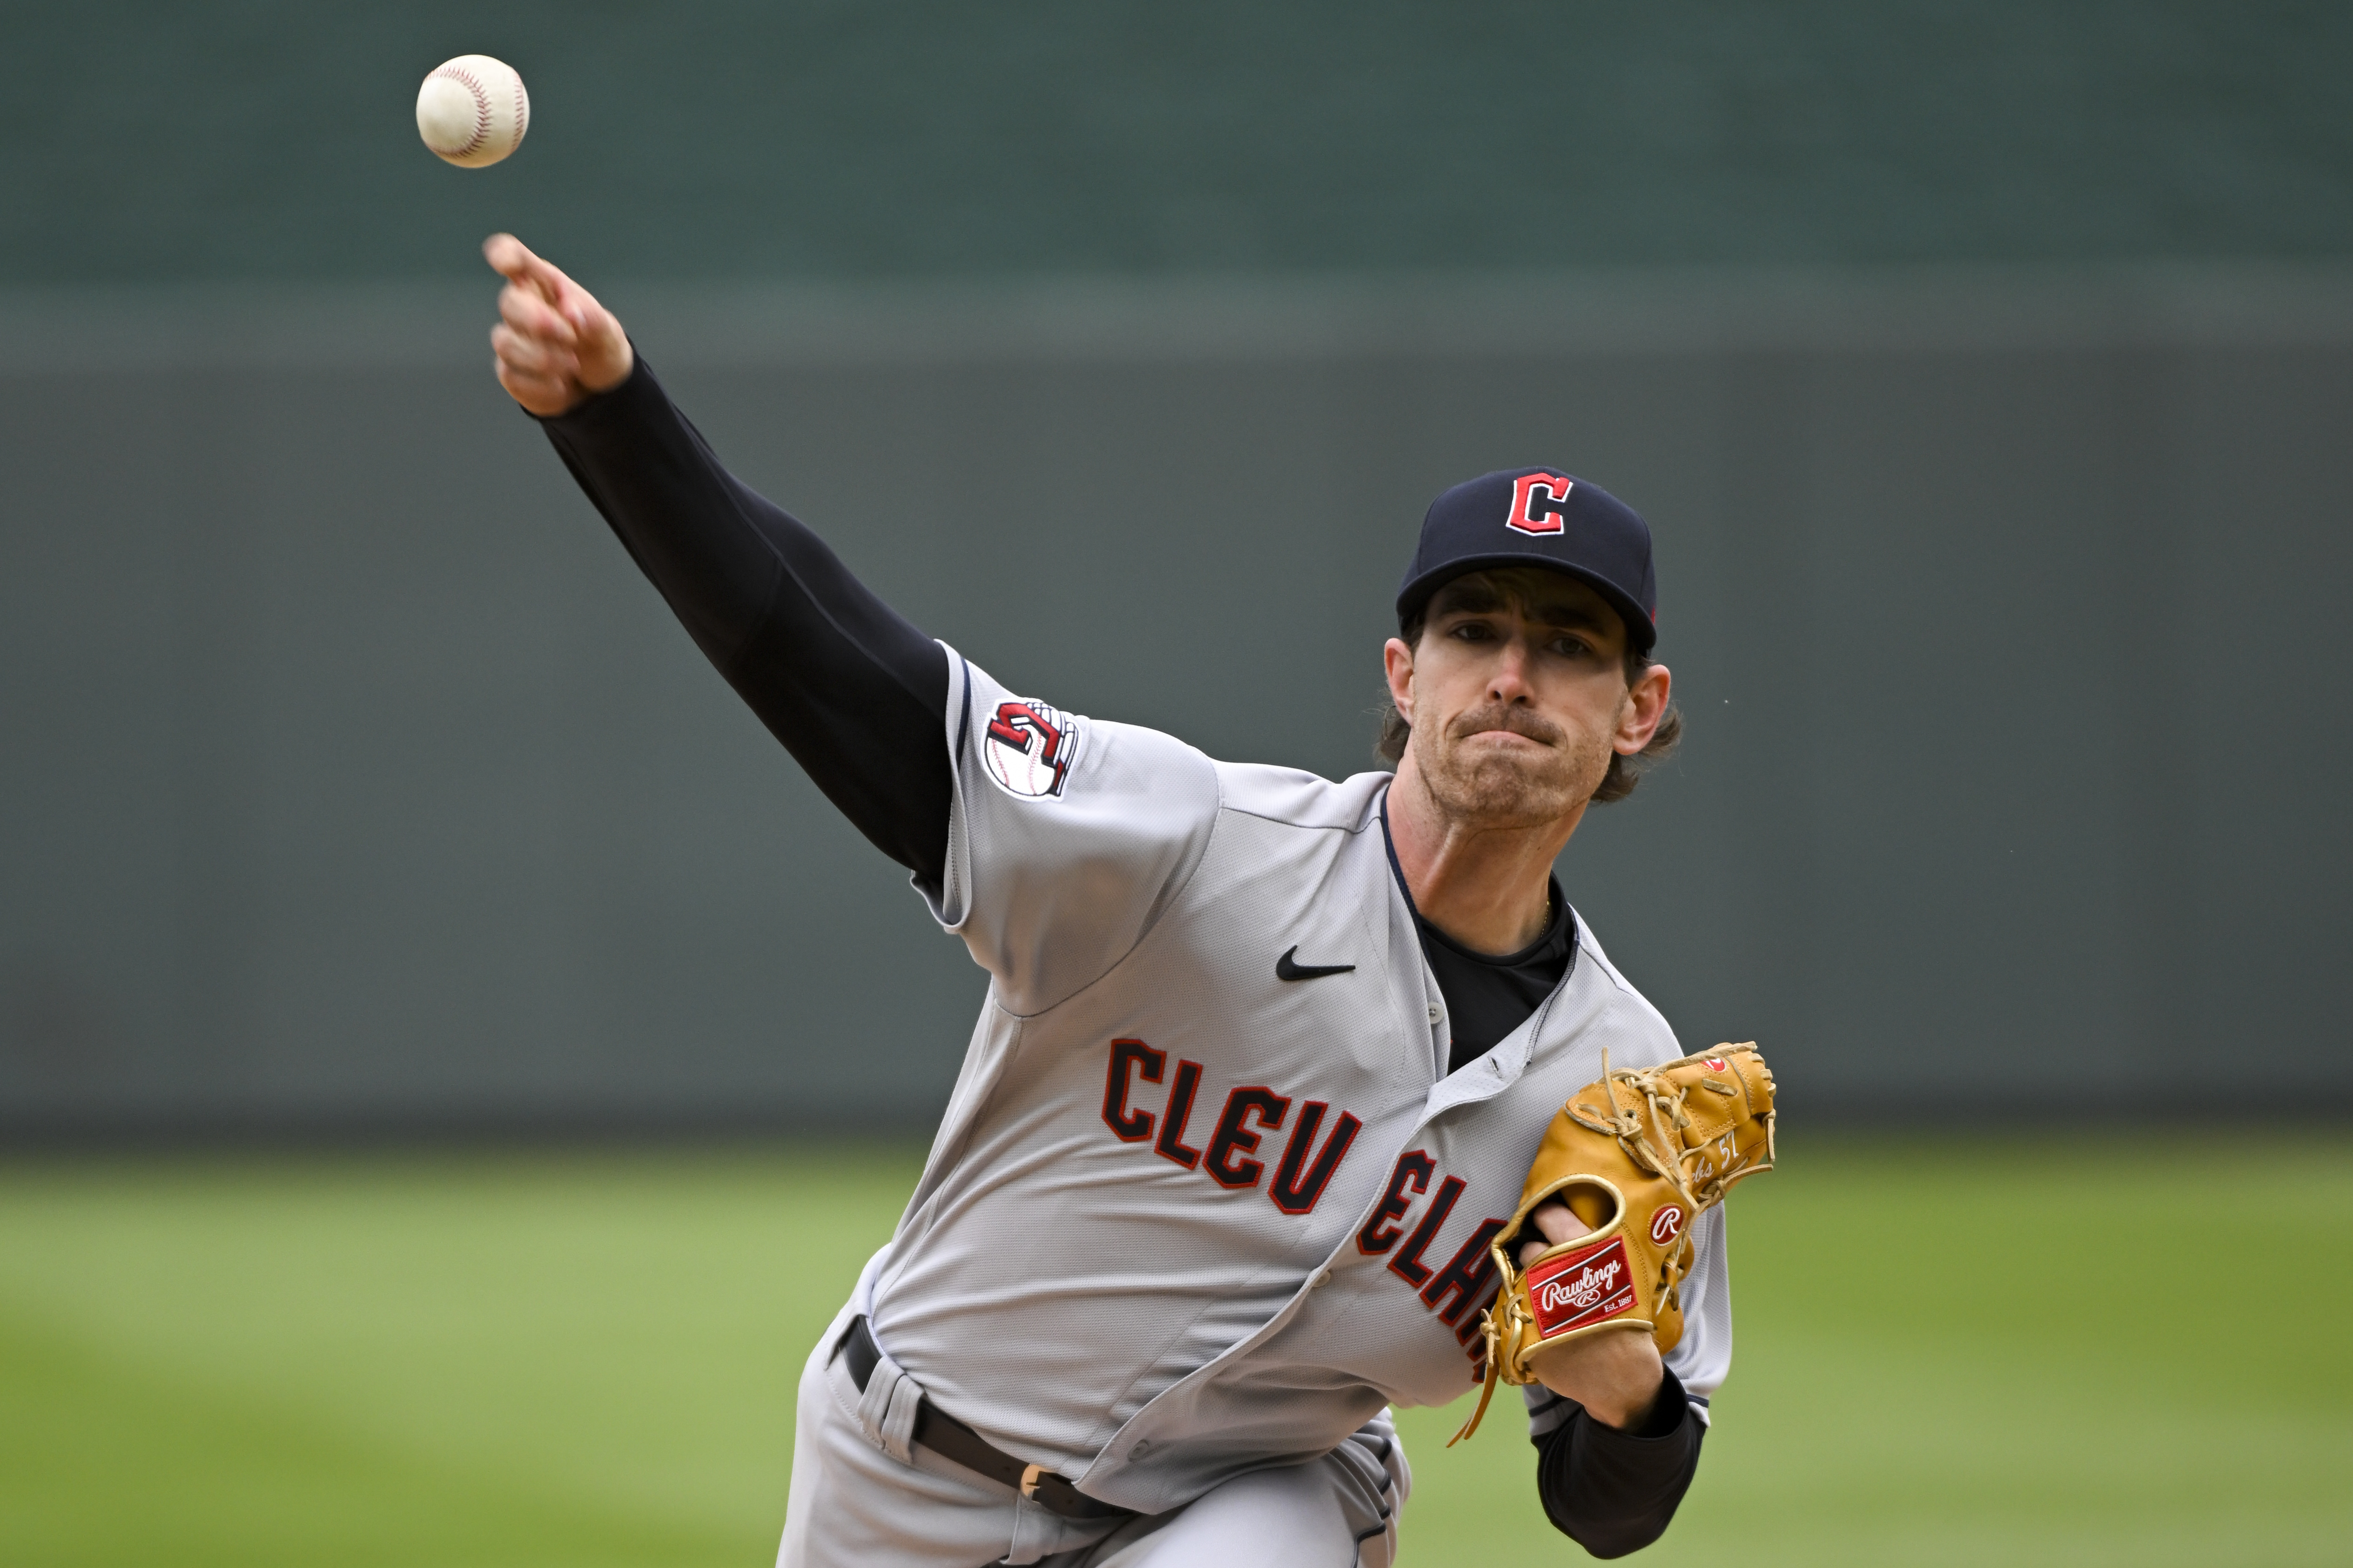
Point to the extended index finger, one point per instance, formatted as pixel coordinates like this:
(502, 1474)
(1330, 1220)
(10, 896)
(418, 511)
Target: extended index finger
(513, 259)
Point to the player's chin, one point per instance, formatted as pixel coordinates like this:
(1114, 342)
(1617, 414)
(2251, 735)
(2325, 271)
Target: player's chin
(1514, 791)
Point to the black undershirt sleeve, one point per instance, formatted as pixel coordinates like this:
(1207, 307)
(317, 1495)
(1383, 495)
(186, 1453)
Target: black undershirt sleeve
(1613, 1492)
(855, 693)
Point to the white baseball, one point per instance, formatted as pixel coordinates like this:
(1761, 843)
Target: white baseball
(472, 111)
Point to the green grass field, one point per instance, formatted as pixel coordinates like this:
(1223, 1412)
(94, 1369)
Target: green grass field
(2013, 1352)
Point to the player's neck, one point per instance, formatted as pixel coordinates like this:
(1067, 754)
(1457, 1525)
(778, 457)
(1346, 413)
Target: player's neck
(1487, 887)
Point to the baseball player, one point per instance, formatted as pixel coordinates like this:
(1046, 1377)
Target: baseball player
(1264, 1057)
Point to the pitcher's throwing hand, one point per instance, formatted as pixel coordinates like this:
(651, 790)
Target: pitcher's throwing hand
(557, 346)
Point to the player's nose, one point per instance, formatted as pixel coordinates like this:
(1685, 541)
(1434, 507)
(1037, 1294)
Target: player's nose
(1508, 681)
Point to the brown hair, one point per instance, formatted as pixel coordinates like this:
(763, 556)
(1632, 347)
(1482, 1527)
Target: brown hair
(1624, 773)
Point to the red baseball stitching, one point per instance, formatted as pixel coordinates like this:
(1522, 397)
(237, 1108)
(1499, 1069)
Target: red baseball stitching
(481, 107)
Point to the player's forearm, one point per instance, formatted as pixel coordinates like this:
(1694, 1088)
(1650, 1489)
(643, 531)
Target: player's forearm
(1615, 1492)
(690, 525)
(854, 692)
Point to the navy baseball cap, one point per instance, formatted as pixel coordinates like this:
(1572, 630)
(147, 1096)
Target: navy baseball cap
(1538, 517)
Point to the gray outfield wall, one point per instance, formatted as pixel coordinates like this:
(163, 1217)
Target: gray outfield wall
(353, 779)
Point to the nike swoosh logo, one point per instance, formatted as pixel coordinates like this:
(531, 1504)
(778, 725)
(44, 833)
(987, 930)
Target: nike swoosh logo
(1284, 969)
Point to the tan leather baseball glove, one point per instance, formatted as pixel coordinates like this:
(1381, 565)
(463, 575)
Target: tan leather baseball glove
(1637, 1155)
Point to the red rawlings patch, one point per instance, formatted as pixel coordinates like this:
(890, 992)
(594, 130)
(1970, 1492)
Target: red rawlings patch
(1578, 1289)
(1667, 1223)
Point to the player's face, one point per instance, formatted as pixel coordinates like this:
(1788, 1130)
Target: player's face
(1518, 695)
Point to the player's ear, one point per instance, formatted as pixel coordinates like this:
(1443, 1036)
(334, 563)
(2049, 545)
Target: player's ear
(1396, 661)
(1646, 705)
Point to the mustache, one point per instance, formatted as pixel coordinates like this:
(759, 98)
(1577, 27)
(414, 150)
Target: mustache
(1499, 716)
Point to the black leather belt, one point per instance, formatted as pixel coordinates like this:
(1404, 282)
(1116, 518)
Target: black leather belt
(950, 1438)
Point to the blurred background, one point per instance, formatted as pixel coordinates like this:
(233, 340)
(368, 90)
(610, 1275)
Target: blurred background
(451, 1060)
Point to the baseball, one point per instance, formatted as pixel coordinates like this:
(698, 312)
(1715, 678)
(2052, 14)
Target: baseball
(472, 111)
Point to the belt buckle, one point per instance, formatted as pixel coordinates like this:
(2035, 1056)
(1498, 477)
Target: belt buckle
(1029, 1477)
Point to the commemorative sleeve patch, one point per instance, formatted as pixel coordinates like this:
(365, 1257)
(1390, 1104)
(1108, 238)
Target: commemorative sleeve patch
(1030, 748)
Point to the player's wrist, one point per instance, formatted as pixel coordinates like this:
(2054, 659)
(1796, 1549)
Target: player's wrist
(1617, 1378)
(608, 372)
(1627, 1412)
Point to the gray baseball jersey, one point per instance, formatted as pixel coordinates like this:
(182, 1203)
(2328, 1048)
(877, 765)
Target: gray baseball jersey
(1207, 1196)
(1186, 1217)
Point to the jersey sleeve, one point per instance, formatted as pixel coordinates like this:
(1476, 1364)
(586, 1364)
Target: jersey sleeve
(1068, 836)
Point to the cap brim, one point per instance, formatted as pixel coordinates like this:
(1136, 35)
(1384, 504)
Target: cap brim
(1640, 632)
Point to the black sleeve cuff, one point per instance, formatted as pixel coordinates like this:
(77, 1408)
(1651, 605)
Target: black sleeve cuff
(1615, 1492)
(598, 408)
(1668, 1413)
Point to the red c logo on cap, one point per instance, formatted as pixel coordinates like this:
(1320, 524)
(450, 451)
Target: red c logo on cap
(1536, 500)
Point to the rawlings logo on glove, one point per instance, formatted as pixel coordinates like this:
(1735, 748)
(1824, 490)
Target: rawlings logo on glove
(1600, 1287)
(1637, 1156)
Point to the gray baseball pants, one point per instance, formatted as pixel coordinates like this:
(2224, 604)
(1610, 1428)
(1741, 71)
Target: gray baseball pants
(863, 1497)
